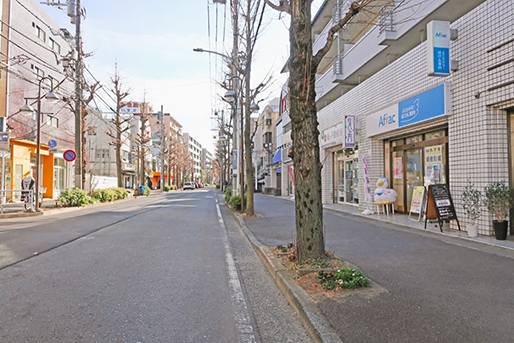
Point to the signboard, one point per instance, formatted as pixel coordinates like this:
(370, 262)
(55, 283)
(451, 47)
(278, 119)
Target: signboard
(434, 163)
(4, 141)
(52, 151)
(440, 205)
(438, 48)
(349, 131)
(332, 136)
(52, 143)
(424, 106)
(234, 159)
(349, 175)
(418, 197)
(367, 187)
(69, 155)
(398, 168)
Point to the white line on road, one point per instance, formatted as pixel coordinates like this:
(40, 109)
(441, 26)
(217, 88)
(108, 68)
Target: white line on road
(244, 328)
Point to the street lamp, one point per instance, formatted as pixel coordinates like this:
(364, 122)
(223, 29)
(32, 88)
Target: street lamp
(51, 98)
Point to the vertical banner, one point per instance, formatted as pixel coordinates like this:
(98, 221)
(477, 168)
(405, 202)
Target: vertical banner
(438, 43)
(291, 173)
(398, 168)
(367, 187)
(349, 131)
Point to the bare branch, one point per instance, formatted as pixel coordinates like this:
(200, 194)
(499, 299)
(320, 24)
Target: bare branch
(283, 6)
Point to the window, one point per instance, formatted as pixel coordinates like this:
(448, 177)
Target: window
(39, 73)
(92, 131)
(40, 33)
(54, 45)
(268, 122)
(52, 83)
(52, 121)
(102, 153)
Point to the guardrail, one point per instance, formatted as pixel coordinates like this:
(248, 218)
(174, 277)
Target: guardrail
(17, 198)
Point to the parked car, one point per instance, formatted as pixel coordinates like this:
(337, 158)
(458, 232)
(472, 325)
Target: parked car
(189, 185)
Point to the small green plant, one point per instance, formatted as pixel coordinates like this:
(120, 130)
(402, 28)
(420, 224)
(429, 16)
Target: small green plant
(174, 187)
(120, 193)
(228, 194)
(279, 247)
(345, 278)
(147, 191)
(74, 197)
(498, 199)
(217, 186)
(296, 276)
(235, 202)
(283, 250)
(167, 188)
(471, 201)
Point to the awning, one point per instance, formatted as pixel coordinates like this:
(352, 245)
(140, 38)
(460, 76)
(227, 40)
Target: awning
(277, 158)
(279, 170)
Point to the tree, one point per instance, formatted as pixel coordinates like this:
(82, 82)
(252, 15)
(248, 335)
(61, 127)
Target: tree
(142, 139)
(304, 123)
(120, 124)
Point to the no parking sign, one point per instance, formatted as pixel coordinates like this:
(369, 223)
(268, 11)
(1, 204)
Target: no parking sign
(69, 155)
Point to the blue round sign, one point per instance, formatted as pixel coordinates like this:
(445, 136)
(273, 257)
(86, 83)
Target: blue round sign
(52, 143)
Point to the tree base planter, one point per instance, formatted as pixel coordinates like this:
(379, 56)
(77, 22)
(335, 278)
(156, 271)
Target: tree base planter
(472, 230)
(500, 229)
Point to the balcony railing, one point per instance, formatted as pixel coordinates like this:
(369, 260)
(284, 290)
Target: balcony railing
(338, 11)
(337, 63)
(387, 22)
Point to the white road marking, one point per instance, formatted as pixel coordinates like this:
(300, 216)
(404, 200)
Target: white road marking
(244, 328)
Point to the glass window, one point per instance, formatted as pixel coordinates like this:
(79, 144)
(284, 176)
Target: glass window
(414, 139)
(434, 135)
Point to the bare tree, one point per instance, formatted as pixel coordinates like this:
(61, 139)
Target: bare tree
(120, 124)
(305, 151)
(142, 139)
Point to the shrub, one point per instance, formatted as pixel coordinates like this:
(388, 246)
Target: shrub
(120, 193)
(147, 191)
(498, 199)
(228, 194)
(105, 195)
(235, 202)
(74, 197)
(167, 188)
(174, 187)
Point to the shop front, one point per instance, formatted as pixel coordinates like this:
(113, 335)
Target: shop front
(414, 134)
(347, 176)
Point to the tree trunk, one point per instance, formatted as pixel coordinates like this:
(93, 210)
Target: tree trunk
(307, 165)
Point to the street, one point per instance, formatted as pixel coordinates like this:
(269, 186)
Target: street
(172, 267)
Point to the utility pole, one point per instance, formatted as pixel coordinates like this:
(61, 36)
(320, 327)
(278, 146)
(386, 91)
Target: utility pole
(75, 13)
(234, 5)
(78, 105)
(162, 148)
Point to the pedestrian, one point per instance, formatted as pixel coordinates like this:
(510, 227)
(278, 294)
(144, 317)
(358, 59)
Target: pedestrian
(149, 182)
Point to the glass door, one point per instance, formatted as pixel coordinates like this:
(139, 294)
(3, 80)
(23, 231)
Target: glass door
(340, 181)
(414, 172)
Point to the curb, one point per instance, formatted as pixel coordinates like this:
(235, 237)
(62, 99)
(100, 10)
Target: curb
(308, 312)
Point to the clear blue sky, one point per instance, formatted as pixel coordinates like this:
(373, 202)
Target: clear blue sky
(153, 41)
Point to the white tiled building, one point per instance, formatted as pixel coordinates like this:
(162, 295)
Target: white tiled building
(464, 129)
(194, 148)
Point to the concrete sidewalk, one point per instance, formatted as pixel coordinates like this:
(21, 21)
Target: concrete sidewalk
(436, 287)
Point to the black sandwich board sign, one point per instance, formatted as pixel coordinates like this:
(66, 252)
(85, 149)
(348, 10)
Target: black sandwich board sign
(440, 205)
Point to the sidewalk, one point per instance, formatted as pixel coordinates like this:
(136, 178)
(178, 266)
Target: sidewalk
(403, 220)
(431, 286)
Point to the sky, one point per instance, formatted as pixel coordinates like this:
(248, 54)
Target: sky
(152, 44)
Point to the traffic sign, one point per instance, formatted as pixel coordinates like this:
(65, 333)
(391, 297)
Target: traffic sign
(69, 155)
(53, 151)
(52, 143)
(4, 141)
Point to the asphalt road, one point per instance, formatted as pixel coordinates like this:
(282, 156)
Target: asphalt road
(167, 268)
(439, 289)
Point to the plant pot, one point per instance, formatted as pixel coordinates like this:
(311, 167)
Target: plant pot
(500, 229)
(472, 230)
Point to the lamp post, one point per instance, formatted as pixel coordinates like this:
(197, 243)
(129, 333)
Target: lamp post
(50, 97)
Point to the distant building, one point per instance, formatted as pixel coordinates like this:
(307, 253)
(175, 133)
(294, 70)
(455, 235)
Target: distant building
(194, 148)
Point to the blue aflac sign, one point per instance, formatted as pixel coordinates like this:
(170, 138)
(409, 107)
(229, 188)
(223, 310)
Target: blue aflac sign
(424, 106)
(438, 45)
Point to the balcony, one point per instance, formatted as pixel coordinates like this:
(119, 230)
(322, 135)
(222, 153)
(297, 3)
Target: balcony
(128, 167)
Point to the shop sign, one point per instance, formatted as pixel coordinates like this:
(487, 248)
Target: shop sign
(434, 163)
(418, 195)
(438, 43)
(349, 175)
(4, 141)
(332, 136)
(427, 105)
(349, 131)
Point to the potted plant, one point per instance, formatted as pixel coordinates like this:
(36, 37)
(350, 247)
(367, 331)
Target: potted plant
(471, 201)
(498, 200)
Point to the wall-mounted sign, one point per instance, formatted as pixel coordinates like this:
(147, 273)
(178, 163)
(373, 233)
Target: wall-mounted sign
(424, 106)
(349, 175)
(438, 43)
(234, 159)
(4, 141)
(332, 136)
(349, 131)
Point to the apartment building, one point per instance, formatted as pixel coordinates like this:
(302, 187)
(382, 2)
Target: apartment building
(194, 149)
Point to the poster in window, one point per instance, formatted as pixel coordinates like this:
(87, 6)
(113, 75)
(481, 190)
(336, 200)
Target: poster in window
(398, 168)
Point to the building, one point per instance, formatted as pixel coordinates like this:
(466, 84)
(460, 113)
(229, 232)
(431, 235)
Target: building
(194, 149)
(35, 50)
(267, 154)
(206, 166)
(388, 105)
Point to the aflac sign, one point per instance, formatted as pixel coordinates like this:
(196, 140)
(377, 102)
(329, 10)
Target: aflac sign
(438, 43)
(427, 105)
